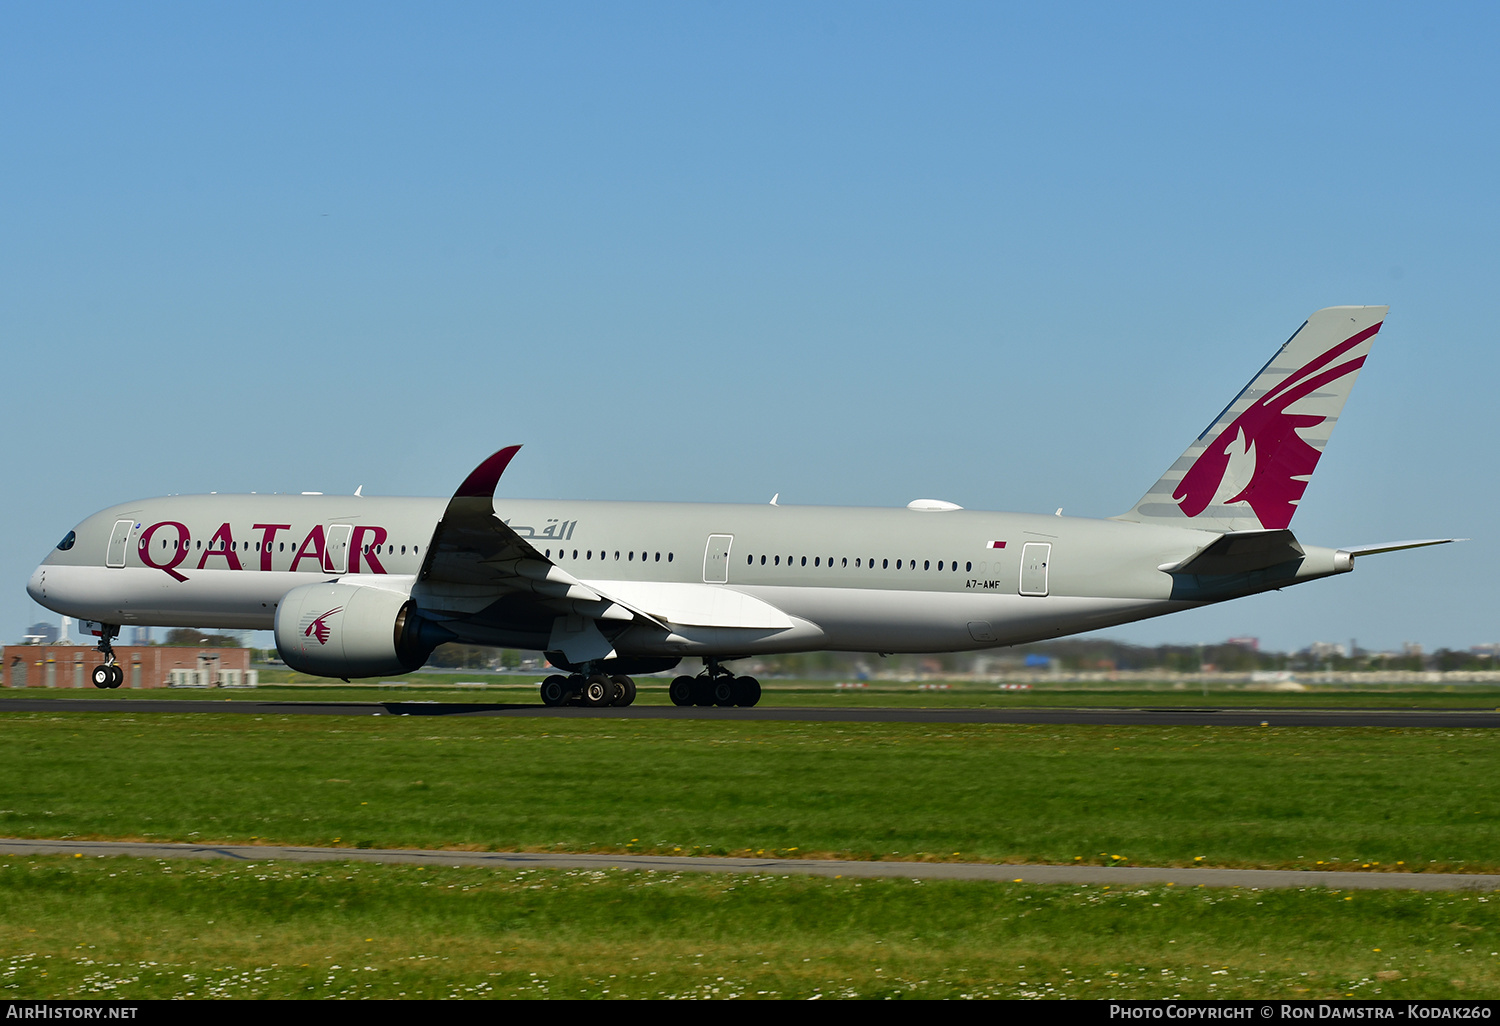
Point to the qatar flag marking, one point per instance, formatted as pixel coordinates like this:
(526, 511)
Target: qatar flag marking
(994, 545)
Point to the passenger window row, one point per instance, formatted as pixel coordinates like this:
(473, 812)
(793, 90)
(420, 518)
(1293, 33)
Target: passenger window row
(950, 565)
(176, 544)
(628, 557)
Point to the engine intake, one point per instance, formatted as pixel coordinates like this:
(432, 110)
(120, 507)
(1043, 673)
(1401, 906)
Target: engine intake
(341, 630)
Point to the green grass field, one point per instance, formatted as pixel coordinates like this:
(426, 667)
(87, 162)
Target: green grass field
(1421, 799)
(130, 928)
(1268, 797)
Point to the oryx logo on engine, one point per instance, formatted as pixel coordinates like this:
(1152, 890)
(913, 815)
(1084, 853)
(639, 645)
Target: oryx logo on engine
(317, 626)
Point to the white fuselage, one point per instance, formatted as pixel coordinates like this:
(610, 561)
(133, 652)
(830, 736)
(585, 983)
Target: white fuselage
(721, 579)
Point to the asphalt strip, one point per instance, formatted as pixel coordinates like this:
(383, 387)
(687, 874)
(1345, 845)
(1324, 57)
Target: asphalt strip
(1113, 876)
(1103, 716)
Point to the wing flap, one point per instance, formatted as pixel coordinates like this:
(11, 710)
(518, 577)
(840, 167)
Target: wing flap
(696, 605)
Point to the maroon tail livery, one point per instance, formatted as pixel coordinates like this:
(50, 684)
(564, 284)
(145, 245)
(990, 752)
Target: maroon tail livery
(1262, 449)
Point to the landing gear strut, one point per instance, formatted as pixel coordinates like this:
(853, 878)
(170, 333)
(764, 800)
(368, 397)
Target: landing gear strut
(715, 686)
(110, 674)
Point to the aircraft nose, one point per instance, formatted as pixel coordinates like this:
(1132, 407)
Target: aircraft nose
(37, 586)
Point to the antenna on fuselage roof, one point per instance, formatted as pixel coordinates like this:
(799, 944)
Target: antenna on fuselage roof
(774, 498)
(358, 490)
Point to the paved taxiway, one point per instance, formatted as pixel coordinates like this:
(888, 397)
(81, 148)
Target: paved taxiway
(1114, 876)
(1142, 716)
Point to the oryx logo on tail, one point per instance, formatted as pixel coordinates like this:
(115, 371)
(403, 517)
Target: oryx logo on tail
(1280, 461)
(318, 626)
(1248, 470)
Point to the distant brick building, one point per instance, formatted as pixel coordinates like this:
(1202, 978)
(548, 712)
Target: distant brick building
(153, 666)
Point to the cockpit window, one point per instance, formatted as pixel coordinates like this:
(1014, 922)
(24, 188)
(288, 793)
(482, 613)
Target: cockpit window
(67, 542)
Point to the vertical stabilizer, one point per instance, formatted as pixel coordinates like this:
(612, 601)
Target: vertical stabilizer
(1247, 471)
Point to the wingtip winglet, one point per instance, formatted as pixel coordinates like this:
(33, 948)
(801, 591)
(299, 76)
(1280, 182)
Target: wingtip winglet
(481, 482)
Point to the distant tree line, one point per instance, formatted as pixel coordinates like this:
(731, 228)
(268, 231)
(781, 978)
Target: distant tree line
(1077, 655)
(1096, 654)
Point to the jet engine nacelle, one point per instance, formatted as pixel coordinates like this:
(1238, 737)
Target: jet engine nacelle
(342, 630)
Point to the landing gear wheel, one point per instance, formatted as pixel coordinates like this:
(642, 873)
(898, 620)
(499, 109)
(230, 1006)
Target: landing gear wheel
(723, 690)
(598, 691)
(746, 691)
(624, 690)
(108, 674)
(555, 690)
(703, 691)
(681, 691)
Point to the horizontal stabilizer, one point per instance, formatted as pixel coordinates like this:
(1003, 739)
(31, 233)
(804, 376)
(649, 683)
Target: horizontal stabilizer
(1370, 550)
(1239, 552)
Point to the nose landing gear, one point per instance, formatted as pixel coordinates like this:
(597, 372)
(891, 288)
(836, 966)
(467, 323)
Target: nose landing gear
(110, 674)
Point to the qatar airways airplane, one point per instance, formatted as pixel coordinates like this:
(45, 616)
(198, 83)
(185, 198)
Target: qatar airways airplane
(359, 586)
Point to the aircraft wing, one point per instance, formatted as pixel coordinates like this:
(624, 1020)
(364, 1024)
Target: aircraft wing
(474, 549)
(697, 605)
(477, 566)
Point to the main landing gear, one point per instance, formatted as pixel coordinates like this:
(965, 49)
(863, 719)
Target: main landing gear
(595, 690)
(110, 674)
(715, 686)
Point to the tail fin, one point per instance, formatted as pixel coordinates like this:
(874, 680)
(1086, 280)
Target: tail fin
(1247, 471)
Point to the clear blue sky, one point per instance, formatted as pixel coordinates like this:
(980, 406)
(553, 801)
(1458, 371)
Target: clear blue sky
(1010, 256)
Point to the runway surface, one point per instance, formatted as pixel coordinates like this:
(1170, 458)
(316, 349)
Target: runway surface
(1113, 716)
(1114, 876)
